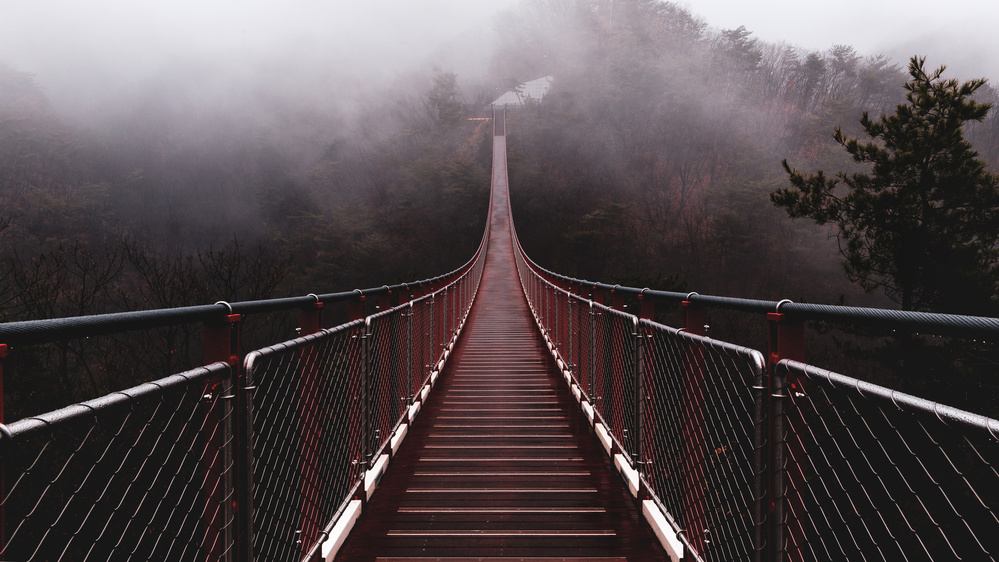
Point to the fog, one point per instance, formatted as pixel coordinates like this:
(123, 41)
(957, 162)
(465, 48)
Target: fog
(957, 34)
(169, 154)
(87, 54)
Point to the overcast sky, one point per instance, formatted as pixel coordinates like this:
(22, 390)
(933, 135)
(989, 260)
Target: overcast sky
(957, 33)
(73, 45)
(94, 45)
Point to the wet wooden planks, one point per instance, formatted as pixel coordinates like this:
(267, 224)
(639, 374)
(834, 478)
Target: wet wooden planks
(501, 463)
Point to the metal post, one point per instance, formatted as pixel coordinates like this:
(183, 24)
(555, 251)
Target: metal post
(385, 301)
(570, 338)
(598, 296)
(544, 307)
(3, 466)
(593, 356)
(366, 450)
(761, 444)
(692, 318)
(446, 327)
(452, 313)
(639, 438)
(694, 517)
(646, 311)
(555, 306)
(3, 356)
(433, 334)
(646, 307)
(617, 300)
(410, 351)
(309, 427)
(786, 341)
(355, 308)
(778, 468)
(222, 343)
(311, 319)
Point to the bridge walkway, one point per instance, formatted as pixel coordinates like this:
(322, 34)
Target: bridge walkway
(501, 463)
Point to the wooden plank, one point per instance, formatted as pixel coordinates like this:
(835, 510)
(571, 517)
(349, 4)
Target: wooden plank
(501, 463)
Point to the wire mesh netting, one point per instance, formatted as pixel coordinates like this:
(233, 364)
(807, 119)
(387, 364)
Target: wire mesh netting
(325, 405)
(220, 463)
(582, 347)
(787, 463)
(307, 434)
(874, 474)
(703, 435)
(140, 474)
(387, 378)
(614, 375)
(440, 324)
(423, 342)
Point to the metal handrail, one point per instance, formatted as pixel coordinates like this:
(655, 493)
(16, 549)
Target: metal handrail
(78, 327)
(926, 322)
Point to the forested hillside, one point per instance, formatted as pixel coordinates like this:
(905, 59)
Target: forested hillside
(175, 204)
(654, 156)
(650, 163)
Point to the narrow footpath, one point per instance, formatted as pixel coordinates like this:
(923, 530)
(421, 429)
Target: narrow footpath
(501, 463)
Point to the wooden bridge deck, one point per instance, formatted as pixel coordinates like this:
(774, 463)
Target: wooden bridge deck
(501, 463)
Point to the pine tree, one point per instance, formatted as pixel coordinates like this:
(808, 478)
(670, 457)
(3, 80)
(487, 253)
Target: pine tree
(444, 101)
(923, 222)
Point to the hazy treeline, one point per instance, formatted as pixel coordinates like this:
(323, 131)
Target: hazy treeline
(652, 160)
(655, 153)
(177, 173)
(178, 200)
(650, 163)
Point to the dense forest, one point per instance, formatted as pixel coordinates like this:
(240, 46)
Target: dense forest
(649, 163)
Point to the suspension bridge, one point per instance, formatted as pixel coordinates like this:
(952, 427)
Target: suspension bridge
(501, 411)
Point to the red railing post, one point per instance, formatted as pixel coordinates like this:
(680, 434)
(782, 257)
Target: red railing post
(598, 386)
(3, 355)
(646, 307)
(385, 301)
(227, 474)
(3, 466)
(222, 340)
(598, 296)
(639, 453)
(786, 340)
(692, 318)
(575, 333)
(694, 517)
(646, 381)
(309, 430)
(355, 308)
(311, 319)
(617, 300)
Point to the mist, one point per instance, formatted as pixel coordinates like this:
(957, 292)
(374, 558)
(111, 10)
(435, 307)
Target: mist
(241, 151)
(89, 55)
(958, 34)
